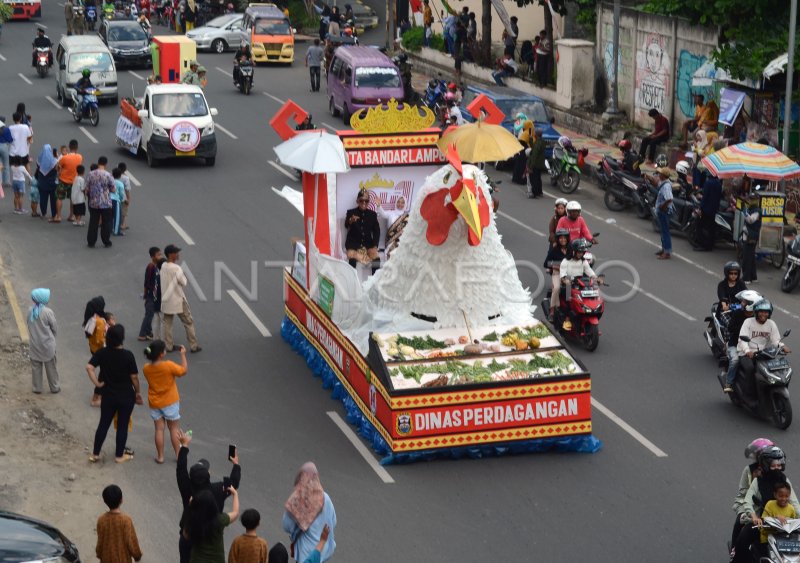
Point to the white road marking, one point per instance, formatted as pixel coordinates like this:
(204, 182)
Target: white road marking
(248, 312)
(228, 133)
(140, 77)
(660, 301)
(282, 170)
(2, 58)
(629, 429)
(360, 447)
(329, 127)
(25, 78)
(223, 71)
(183, 234)
(276, 98)
(55, 103)
(134, 181)
(520, 223)
(86, 132)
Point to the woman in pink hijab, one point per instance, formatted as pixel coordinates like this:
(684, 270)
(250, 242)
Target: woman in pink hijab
(308, 510)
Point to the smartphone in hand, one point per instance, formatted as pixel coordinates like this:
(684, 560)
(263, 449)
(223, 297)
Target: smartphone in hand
(226, 483)
(231, 451)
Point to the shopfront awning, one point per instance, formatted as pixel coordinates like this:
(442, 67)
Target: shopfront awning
(708, 73)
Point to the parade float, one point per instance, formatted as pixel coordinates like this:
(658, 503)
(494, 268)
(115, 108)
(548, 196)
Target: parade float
(436, 354)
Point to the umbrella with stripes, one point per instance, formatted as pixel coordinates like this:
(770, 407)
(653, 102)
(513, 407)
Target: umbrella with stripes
(757, 161)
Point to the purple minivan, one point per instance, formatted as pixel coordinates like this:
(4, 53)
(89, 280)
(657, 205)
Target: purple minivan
(361, 77)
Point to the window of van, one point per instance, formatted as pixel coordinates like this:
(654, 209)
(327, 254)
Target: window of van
(96, 62)
(179, 105)
(336, 67)
(270, 26)
(377, 77)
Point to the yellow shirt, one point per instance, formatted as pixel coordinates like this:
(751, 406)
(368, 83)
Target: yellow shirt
(98, 338)
(710, 117)
(427, 16)
(162, 390)
(772, 509)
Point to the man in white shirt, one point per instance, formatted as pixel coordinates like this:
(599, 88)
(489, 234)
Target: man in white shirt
(173, 299)
(762, 332)
(22, 138)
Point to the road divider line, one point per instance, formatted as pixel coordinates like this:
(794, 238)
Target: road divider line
(223, 71)
(25, 78)
(282, 170)
(660, 301)
(267, 94)
(2, 58)
(329, 127)
(628, 428)
(22, 326)
(520, 223)
(183, 234)
(139, 76)
(360, 447)
(86, 132)
(134, 181)
(248, 312)
(55, 103)
(228, 133)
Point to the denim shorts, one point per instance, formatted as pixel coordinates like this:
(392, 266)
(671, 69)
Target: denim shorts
(18, 186)
(170, 412)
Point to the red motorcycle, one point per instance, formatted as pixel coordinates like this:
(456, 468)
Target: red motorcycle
(578, 318)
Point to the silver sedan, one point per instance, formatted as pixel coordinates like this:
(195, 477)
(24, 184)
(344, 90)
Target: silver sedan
(221, 33)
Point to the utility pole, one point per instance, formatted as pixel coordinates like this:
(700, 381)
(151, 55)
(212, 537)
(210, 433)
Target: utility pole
(391, 25)
(613, 104)
(787, 105)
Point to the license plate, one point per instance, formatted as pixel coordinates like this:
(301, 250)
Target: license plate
(589, 293)
(787, 546)
(181, 153)
(777, 363)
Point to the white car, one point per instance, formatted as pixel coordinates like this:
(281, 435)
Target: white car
(177, 123)
(220, 34)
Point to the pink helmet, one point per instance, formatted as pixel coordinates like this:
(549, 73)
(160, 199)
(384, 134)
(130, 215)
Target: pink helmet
(449, 97)
(751, 451)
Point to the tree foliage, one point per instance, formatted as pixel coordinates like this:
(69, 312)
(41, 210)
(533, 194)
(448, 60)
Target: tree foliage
(753, 32)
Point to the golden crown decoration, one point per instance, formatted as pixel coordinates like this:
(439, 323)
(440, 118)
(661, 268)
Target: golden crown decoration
(375, 182)
(391, 118)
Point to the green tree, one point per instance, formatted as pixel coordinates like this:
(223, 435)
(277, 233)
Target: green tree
(752, 32)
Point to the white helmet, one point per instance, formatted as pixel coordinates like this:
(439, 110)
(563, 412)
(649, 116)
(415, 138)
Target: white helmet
(561, 201)
(750, 297)
(682, 167)
(573, 206)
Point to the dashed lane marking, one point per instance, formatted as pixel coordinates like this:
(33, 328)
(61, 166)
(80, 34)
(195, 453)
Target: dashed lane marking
(282, 170)
(89, 135)
(520, 223)
(183, 234)
(276, 98)
(140, 77)
(134, 181)
(225, 72)
(360, 447)
(25, 78)
(228, 133)
(55, 103)
(248, 312)
(628, 428)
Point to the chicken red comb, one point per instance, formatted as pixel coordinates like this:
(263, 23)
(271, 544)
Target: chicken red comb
(454, 159)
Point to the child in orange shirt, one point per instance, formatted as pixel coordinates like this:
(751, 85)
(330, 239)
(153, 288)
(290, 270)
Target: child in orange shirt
(162, 394)
(94, 328)
(116, 536)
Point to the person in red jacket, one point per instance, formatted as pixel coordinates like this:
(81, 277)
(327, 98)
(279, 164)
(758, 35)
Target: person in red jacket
(659, 135)
(574, 223)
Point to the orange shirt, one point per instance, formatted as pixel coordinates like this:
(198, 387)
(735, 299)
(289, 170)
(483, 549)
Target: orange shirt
(68, 166)
(161, 388)
(98, 339)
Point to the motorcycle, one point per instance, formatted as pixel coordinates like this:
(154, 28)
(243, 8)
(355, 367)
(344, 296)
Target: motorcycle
(717, 332)
(792, 276)
(783, 543)
(433, 97)
(624, 190)
(42, 61)
(563, 168)
(245, 78)
(767, 394)
(91, 17)
(578, 317)
(87, 108)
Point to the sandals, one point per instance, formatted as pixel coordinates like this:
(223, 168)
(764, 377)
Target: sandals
(94, 458)
(125, 458)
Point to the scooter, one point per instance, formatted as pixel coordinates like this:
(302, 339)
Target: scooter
(563, 168)
(88, 108)
(91, 17)
(783, 543)
(792, 275)
(767, 395)
(578, 318)
(433, 97)
(42, 61)
(245, 77)
(717, 332)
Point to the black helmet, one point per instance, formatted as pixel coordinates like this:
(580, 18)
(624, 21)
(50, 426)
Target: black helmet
(770, 454)
(402, 57)
(730, 267)
(561, 233)
(580, 245)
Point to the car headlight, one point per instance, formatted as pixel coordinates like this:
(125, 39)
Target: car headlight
(288, 47)
(113, 50)
(160, 131)
(208, 130)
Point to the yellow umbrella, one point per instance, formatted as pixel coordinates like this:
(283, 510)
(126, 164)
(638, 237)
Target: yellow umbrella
(481, 142)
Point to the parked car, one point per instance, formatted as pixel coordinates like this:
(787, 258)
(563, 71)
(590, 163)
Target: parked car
(366, 17)
(220, 34)
(26, 539)
(128, 42)
(511, 102)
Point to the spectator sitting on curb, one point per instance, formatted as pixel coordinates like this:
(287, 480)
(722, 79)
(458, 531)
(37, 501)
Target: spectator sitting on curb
(506, 67)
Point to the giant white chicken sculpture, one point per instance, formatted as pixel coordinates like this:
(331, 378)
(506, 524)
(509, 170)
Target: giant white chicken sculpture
(451, 263)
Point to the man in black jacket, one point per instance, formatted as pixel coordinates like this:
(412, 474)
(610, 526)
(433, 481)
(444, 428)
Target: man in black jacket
(196, 479)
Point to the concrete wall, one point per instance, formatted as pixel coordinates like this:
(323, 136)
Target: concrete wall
(657, 58)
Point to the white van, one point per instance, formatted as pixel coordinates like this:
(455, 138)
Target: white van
(177, 123)
(77, 52)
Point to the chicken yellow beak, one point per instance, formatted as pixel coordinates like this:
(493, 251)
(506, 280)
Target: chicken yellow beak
(466, 204)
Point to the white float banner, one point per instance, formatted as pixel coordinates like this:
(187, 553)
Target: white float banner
(128, 134)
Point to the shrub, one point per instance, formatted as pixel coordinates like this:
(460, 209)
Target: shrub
(413, 40)
(5, 12)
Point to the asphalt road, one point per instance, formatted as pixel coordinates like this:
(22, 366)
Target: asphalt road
(659, 490)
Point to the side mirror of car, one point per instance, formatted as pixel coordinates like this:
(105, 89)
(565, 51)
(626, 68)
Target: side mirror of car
(214, 112)
(143, 114)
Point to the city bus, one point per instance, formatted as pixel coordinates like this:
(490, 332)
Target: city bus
(24, 9)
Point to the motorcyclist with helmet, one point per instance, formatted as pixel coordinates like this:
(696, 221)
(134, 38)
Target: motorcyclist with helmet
(454, 116)
(572, 267)
(42, 41)
(306, 124)
(772, 462)
(83, 85)
(747, 298)
(730, 286)
(762, 331)
(453, 87)
(243, 55)
(630, 160)
(683, 188)
(552, 265)
(575, 224)
(750, 472)
(559, 212)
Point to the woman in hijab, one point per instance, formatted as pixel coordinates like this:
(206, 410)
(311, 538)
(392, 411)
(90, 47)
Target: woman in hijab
(519, 121)
(42, 329)
(47, 177)
(526, 139)
(94, 328)
(308, 510)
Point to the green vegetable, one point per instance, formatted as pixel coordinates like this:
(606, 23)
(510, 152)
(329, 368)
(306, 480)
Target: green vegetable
(491, 337)
(419, 343)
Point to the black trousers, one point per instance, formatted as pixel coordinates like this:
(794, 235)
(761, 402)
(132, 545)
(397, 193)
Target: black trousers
(749, 261)
(535, 180)
(95, 215)
(543, 69)
(706, 231)
(747, 536)
(184, 549)
(650, 144)
(313, 72)
(111, 406)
